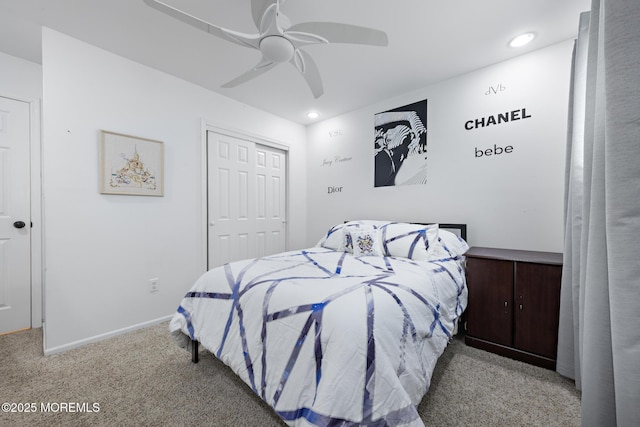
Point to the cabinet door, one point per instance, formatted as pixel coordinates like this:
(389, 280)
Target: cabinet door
(490, 313)
(537, 293)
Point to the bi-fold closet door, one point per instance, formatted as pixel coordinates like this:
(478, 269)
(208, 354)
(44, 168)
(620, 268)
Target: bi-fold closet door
(246, 198)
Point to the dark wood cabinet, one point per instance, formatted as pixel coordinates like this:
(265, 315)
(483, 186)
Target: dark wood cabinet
(514, 302)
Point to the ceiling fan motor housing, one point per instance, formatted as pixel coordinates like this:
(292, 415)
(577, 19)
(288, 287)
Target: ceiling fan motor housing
(276, 48)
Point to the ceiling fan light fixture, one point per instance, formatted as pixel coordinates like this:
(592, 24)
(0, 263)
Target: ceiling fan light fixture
(278, 41)
(277, 48)
(522, 40)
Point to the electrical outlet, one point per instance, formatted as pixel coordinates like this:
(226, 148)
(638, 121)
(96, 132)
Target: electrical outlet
(153, 285)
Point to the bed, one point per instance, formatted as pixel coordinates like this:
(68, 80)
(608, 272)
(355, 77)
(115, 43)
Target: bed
(347, 332)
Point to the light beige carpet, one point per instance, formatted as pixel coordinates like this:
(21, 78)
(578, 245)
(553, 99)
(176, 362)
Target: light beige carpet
(144, 379)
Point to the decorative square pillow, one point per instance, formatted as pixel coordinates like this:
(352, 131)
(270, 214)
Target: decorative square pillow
(413, 241)
(365, 241)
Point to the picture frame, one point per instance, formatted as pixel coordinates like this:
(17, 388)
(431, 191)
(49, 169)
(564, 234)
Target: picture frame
(400, 145)
(131, 165)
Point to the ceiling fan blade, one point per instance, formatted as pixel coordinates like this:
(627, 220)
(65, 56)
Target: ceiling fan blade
(247, 40)
(259, 7)
(335, 32)
(269, 21)
(309, 70)
(263, 66)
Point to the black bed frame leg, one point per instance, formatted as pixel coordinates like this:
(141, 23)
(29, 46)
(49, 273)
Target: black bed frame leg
(194, 351)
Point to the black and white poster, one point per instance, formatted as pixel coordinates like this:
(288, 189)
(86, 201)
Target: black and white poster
(401, 145)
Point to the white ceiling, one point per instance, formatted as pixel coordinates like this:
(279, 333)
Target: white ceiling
(429, 41)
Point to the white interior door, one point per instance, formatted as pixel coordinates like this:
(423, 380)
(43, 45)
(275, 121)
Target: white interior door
(15, 222)
(246, 199)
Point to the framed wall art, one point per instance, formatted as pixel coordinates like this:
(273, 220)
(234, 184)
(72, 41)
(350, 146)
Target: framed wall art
(131, 165)
(401, 145)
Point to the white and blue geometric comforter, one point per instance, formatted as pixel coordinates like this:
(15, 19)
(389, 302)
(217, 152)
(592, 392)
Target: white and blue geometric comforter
(326, 338)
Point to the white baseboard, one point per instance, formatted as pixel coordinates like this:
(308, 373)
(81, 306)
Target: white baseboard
(96, 338)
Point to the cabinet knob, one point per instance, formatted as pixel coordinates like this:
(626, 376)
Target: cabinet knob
(520, 306)
(505, 303)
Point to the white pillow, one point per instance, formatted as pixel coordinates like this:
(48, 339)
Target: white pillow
(333, 239)
(347, 240)
(413, 241)
(365, 241)
(449, 245)
(371, 222)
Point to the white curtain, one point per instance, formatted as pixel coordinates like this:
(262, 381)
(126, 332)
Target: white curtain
(599, 333)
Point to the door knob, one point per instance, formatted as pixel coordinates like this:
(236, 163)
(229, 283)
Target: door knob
(19, 224)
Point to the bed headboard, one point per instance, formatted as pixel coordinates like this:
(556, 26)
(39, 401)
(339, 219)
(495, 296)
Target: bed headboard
(458, 229)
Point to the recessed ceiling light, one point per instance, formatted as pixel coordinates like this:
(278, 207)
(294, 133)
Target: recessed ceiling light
(312, 115)
(522, 40)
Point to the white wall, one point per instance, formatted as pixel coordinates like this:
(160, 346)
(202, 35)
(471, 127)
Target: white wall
(20, 79)
(101, 250)
(512, 200)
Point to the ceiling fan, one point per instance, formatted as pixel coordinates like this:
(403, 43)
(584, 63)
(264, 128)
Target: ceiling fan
(279, 41)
